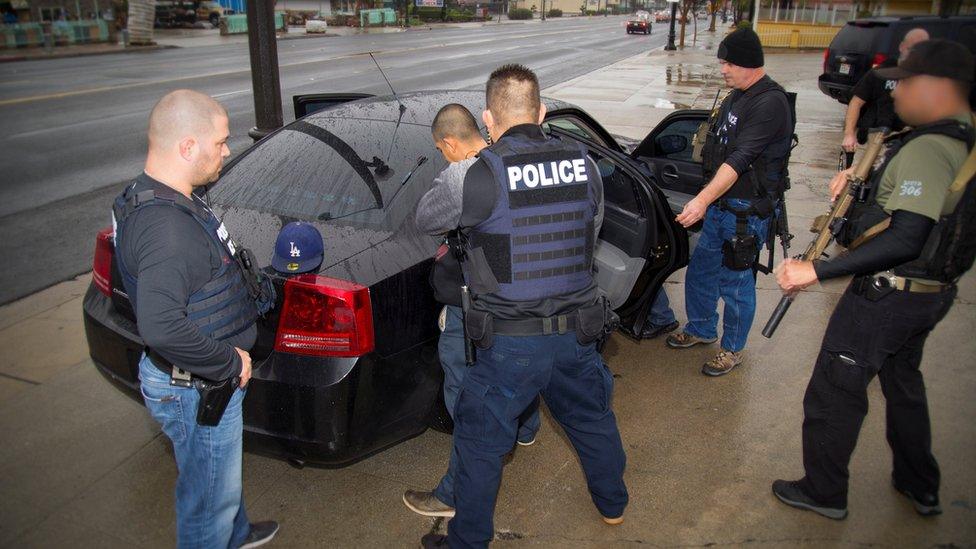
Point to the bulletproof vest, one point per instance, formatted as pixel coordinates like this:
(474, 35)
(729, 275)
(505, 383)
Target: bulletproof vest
(223, 307)
(768, 176)
(865, 212)
(538, 239)
(950, 248)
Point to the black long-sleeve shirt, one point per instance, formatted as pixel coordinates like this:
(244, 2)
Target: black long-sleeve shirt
(172, 257)
(759, 125)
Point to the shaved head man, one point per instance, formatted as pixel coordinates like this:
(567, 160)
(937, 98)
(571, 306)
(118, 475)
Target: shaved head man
(188, 134)
(512, 98)
(871, 105)
(182, 276)
(531, 208)
(456, 134)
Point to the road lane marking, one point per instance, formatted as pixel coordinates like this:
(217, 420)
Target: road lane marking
(86, 91)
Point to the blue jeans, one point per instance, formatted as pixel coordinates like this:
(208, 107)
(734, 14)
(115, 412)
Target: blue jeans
(507, 378)
(707, 279)
(209, 499)
(660, 313)
(450, 347)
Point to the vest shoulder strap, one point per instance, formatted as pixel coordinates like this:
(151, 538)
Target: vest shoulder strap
(968, 169)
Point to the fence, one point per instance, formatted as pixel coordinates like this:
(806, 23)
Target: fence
(789, 35)
(808, 12)
(237, 24)
(62, 33)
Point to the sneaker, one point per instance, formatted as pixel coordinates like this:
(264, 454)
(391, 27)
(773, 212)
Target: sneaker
(651, 331)
(427, 504)
(790, 493)
(261, 533)
(682, 340)
(722, 364)
(529, 442)
(926, 505)
(614, 521)
(433, 541)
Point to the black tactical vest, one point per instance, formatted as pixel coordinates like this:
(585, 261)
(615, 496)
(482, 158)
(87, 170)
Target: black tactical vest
(223, 307)
(768, 176)
(865, 212)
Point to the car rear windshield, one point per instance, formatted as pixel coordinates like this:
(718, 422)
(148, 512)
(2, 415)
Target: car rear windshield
(331, 168)
(857, 38)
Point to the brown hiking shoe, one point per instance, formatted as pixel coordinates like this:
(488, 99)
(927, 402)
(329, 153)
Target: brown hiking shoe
(683, 340)
(722, 364)
(427, 504)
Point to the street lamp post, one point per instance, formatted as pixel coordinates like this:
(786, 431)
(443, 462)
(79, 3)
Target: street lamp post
(674, 13)
(264, 67)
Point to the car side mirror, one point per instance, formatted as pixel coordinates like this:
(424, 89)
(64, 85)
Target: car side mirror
(670, 144)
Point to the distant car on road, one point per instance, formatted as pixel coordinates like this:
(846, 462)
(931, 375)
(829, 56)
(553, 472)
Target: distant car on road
(662, 16)
(863, 44)
(346, 365)
(641, 22)
(211, 11)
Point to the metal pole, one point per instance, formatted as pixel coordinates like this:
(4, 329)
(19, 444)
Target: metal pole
(674, 13)
(264, 67)
(543, 10)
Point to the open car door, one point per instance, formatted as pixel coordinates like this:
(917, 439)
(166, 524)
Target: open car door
(639, 244)
(667, 153)
(313, 102)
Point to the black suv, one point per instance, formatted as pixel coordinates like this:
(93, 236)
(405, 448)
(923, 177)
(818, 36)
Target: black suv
(865, 43)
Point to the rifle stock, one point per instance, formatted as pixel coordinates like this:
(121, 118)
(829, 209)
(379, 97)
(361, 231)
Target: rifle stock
(843, 203)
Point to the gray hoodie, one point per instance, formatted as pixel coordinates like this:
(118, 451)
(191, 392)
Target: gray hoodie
(439, 210)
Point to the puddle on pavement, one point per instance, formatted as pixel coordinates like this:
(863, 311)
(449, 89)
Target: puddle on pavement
(686, 75)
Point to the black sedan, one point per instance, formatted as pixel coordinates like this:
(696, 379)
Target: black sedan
(640, 24)
(346, 365)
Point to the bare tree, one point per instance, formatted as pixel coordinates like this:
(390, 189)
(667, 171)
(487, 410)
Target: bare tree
(142, 15)
(713, 8)
(684, 8)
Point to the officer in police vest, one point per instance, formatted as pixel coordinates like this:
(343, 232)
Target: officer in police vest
(195, 314)
(745, 163)
(531, 212)
(913, 236)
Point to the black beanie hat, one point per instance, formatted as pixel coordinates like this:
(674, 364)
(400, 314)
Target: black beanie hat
(742, 48)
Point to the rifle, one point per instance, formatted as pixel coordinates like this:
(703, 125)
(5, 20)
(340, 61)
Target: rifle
(828, 227)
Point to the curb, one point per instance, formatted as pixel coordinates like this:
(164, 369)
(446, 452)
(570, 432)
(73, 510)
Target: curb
(69, 54)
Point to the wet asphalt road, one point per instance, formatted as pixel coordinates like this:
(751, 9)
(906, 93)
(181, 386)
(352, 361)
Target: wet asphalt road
(74, 129)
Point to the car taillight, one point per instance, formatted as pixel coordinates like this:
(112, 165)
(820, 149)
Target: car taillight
(323, 316)
(878, 59)
(826, 57)
(102, 266)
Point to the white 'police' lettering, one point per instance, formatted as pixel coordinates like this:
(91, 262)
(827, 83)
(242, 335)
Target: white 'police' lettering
(546, 174)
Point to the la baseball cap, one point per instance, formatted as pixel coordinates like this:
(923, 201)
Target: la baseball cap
(299, 249)
(942, 58)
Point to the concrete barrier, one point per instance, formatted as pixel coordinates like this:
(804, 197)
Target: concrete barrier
(237, 24)
(20, 35)
(314, 26)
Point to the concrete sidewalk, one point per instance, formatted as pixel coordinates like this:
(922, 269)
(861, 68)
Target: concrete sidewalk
(82, 465)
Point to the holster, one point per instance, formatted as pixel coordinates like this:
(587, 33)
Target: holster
(479, 328)
(214, 397)
(740, 253)
(596, 322)
(871, 288)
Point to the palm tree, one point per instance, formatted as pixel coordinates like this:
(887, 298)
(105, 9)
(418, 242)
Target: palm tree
(142, 15)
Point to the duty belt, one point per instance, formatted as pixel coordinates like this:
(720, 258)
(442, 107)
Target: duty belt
(887, 280)
(178, 377)
(560, 324)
